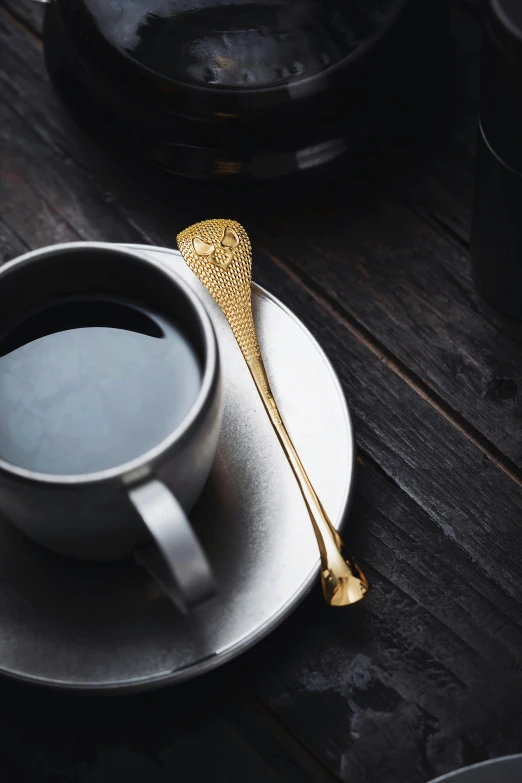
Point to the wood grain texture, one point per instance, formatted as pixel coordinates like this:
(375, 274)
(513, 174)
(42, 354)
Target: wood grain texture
(29, 12)
(406, 444)
(425, 676)
(391, 267)
(433, 462)
(207, 731)
(464, 493)
(424, 680)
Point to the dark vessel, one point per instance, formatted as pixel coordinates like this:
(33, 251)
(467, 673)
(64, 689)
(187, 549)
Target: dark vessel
(241, 89)
(496, 236)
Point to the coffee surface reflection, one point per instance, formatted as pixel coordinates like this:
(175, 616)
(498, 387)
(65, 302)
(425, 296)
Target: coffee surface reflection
(90, 383)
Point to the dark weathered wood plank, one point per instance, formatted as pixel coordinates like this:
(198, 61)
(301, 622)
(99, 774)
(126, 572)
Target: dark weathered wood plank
(430, 460)
(205, 731)
(412, 290)
(11, 245)
(473, 501)
(423, 680)
(424, 677)
(365, 249)
(434, 640)
(31, 189)
(30, 198)
(30, 12)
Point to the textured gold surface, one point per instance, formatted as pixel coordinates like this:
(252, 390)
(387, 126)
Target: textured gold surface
(219, 253)
(227, 279)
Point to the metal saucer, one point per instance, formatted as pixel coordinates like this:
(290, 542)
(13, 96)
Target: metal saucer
(507, 769)
(88, 626)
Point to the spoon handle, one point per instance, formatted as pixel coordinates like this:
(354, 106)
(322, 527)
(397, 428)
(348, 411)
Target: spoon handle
(342, 580)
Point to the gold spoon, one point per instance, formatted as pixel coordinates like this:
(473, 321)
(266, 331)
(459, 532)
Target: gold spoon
(219, 254)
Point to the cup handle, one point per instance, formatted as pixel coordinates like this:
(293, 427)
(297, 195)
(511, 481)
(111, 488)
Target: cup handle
(175, 557)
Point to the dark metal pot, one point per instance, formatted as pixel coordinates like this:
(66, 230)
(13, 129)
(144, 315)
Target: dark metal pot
(249, 89)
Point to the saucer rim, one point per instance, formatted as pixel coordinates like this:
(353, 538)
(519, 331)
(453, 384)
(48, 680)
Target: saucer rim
(458, 774)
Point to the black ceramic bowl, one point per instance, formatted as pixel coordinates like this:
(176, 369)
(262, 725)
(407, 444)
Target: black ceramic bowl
(242, 89)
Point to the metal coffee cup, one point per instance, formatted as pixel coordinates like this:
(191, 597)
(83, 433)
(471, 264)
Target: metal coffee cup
(138, 508)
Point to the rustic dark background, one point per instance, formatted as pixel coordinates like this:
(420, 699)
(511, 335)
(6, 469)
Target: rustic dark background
(424, 677)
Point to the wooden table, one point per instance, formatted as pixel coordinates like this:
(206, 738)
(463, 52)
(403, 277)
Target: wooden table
(426, 676)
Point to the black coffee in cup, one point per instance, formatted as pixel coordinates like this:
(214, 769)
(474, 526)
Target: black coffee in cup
(89, 382)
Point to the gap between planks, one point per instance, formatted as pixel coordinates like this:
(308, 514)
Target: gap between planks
(393, 363)
(363, 335)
